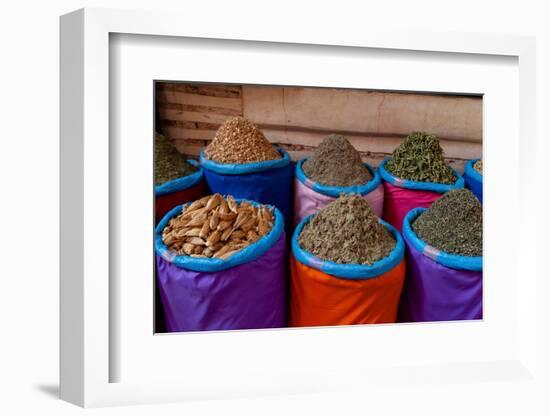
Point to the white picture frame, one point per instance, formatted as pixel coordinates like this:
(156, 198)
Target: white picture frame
(87, 354)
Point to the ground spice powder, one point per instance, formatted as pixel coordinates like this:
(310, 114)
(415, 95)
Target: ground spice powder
(453, 224)
(420, 158)
(347, 231)
(335, 162)
(169, 163)
(238, 140)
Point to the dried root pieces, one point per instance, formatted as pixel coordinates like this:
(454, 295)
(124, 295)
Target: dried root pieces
(217, 227)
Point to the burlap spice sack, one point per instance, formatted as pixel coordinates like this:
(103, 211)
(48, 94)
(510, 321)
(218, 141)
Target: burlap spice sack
(444, 260)
(241, 162)
(334, 168)
(415, 176)
(347, 267)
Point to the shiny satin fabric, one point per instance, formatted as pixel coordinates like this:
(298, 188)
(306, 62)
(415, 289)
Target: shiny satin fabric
(434, 292)
(248, 296)
(320, 299)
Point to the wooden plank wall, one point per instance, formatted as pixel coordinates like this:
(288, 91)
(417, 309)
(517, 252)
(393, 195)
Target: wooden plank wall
(298, 118)
(190, 114)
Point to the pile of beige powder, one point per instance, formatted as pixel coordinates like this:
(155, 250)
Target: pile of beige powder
(238, 140)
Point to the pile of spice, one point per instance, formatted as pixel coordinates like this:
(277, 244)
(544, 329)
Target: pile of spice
(335, 162)
(238, 140)
(217, 227)
(478, 166)
(453, 224)
(347, 231)
(169, 163)
(420, 158)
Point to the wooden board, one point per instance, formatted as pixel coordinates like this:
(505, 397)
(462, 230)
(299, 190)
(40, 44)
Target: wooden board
(360, 111)
(197, 106)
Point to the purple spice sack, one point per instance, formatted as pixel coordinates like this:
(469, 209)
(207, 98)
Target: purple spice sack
(434, 291)
(252, 295)
(246, 291)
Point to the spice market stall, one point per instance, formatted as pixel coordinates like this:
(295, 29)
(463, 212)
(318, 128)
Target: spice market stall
(367, 188)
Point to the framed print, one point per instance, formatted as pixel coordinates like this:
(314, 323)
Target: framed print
(228, 278)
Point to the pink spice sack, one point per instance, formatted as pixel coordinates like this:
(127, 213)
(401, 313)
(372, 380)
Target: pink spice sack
(310, 197)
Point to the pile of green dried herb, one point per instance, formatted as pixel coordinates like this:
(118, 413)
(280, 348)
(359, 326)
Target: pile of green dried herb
(169, 163)
(420, 158)
(347, 231)
(453, 224)
(335, 162)
(478, 166)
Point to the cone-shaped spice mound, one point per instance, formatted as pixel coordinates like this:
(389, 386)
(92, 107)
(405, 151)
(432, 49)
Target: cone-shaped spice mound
(335, 162)
(453, 224)
(420, 158)
(169, 163)
(238, 140)
(347, 231)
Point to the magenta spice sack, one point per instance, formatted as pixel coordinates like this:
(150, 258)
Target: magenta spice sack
(246, 291)
(402, 195)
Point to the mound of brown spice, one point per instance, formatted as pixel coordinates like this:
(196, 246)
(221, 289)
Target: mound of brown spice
(347, 231)
(335, 162)
(238, 140)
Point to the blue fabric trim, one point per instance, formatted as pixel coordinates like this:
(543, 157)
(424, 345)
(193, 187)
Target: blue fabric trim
(421, 186)
(454, 261)
(474, 181)
(471, 172)
(349, 271)
(335, 191)
(198, 264)
(182, 183)
(244, 168)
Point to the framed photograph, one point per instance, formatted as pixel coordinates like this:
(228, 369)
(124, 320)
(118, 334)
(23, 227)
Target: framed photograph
(286, 213)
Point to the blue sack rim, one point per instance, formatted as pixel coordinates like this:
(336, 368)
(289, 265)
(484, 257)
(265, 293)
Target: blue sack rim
(244, 168)
(335, 191)
(471, 172)
(179, 184)
(453, 261)
(199, 264)
(349, 271)
(420, 186)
